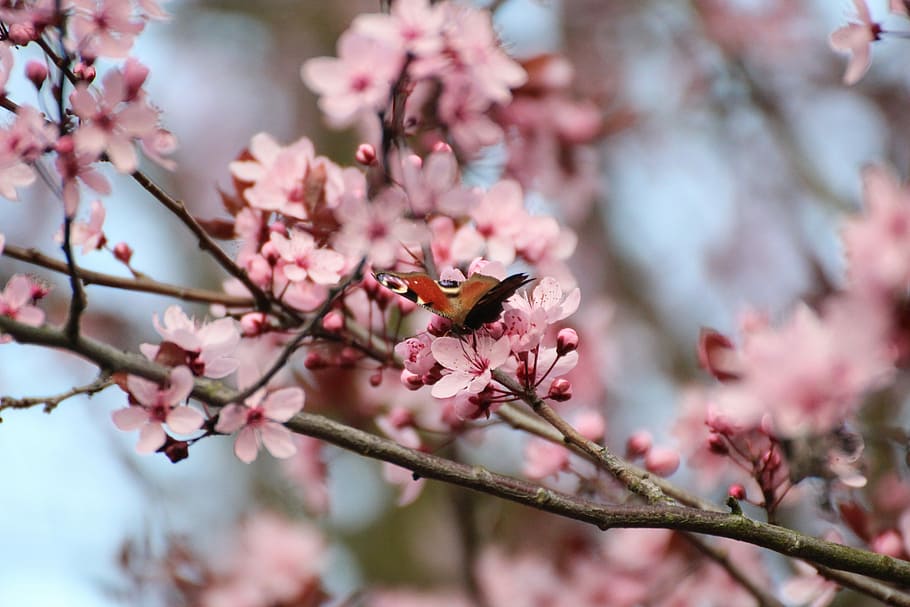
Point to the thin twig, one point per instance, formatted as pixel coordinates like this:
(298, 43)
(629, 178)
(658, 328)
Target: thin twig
(603, 457)
(50, 402)
(139, 283)
(764, 598)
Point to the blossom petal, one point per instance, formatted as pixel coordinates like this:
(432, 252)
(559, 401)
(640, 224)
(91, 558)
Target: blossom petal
(278, 440)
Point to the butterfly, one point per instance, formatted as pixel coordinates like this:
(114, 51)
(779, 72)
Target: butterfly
(468, 304)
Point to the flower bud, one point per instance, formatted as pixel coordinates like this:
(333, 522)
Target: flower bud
(365, 154)
(22, 33)
(36, 72)
(314, 361)
(560, 390)
(439, 326)
(252, 324)
(348, 357)
(278, 228)
(442, 146)
(376, 379)
(333, 321)
(889, 543)
(639, 444)
(123, 252)
(566, 341)
(662, 461)
(737, 492)
(65, 145)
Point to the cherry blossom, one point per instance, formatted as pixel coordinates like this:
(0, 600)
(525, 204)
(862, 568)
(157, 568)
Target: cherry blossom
(16, 302)
(413, 25)
(273, 561)
(549, 297)
(434, 184)
(102, 28)
(89, 234)
(111, 120)
(258, 422)
(303, 260)
(155, 406)
(470, 365)
(855, 38)
(357, 81)
(208, 348)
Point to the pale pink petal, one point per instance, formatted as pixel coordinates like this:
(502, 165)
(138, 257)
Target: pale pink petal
(450, 385)
(278, 440)
(282, 405)
(231, 419)
(129, 418)
(185, 420)
(151, 437)
(450, 353)
(181, 385)
(325, 75)
(247, 445)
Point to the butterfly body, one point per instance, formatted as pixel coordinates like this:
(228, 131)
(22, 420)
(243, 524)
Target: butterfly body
(468, 304)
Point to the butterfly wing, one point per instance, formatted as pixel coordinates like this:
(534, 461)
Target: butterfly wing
(488, 306)
(467, 304)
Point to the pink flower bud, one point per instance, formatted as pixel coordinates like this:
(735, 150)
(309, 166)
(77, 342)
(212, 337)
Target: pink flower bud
(439, 326)
(376, 379)
(65, 145)
(639, 444)
(442, 146)
(414, 160)
(253, 323)
(348, 357)
(36, 72)
(333, 321)
(123, 252)
(566, 341)
(560, 390)
(410, 380)
(591, 425)
(365, 154)
(662, 461)
(22, 33)
(737, 492)
(314, 361)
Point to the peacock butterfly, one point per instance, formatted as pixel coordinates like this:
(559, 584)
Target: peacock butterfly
(468, 304)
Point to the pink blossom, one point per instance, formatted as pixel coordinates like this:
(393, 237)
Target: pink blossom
(156, 406)
(499, 218)
(303, 260)
(259, 422)
(111, 120)
(434, 184)
(75, 168)
(855, 38)
(273, 561)
(358, 81)
(16, 303)
(6, 64)
(899, 7)
(14, 174)
(469, 364)
(416, 353)
(470, 35)
(209, 347)
(465, 111)
(549, 297)
(543, 459)
(377, 228)
(662, 461)
(878, 242)
(89, 234)
(413, 25)
(102, 28)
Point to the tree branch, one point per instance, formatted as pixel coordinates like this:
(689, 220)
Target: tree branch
(139, 283)
(733, 526)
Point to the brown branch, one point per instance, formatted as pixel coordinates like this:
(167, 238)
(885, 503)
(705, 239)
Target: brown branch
(208, 244)
(50, 402)
(733, 526)
(863, 585)
(139, 283)
(636, 480)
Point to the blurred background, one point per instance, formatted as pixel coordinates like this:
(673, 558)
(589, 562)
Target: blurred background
(732, 153)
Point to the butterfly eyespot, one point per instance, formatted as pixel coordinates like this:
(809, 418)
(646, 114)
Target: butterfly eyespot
(393, 283)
